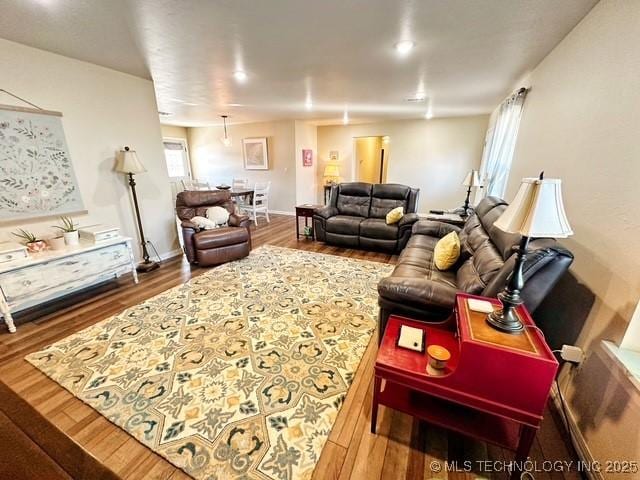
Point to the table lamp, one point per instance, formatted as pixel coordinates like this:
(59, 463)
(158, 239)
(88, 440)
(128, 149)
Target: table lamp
(472, 180)
(537, 211)
(129, 163)
(331, 174)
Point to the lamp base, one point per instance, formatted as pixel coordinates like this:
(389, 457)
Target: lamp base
(506, 319)
(148, 266)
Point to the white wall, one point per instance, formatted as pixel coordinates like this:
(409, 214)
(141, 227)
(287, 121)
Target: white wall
(306, 137)
(103, 110)
(174, 131)
(581, 123)
(214, 162)
(433, 155)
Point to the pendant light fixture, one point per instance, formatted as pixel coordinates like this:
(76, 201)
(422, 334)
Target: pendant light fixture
(226, 140)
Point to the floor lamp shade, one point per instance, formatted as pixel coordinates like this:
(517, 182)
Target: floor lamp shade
(128, 162)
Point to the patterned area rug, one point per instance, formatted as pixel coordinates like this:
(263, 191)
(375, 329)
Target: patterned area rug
(240, 372)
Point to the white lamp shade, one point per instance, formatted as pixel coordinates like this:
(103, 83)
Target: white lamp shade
(128, 162)
(331, 171)
(472, 179)
(537, 210)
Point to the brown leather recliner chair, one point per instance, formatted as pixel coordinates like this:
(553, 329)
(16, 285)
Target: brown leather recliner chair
(219, 245)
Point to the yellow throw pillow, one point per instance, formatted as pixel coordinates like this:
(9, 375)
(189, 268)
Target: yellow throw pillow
(395, 215)
(447, 251)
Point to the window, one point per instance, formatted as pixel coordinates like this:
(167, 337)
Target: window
(177, 158)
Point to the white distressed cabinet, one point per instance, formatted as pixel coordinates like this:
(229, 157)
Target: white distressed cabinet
(48, 275)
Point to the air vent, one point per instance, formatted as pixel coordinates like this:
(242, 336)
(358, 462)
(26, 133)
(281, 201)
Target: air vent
(164, 114)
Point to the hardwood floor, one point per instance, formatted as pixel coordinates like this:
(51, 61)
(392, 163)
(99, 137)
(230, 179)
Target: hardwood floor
(403, 447)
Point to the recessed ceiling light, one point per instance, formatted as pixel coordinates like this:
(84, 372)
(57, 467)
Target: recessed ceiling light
(404, 46)
(240, 76)
(308, 104)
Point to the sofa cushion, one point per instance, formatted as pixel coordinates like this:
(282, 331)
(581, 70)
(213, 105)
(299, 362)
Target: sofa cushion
(344, 224)
(447, 251)
(387, 196)
(378, 228)
(394, 215)
(220, 237)
(354, 199)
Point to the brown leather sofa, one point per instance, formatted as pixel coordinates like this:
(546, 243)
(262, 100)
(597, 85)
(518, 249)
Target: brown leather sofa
(219, 245)
(355, 216)
(416, 288)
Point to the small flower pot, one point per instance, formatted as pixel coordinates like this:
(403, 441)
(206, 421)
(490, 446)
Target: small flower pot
(71, 238)
(35, 247)
(56, 243)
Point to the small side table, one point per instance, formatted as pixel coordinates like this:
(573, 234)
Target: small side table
(495, 385)
(305, 211)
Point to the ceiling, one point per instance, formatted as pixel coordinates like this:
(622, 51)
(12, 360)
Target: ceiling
(338, 55)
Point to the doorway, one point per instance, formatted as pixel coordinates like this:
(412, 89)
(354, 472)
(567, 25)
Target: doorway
(371, 159)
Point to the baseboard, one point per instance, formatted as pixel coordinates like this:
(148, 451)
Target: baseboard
(281, 212)
(580, 444)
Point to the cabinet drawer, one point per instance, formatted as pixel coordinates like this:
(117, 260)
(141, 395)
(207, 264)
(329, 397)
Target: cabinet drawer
(55, 274)
(11, 256)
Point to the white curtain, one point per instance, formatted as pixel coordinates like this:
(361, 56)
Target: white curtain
(500, 143)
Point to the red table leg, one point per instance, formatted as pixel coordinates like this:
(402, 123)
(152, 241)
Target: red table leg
(374, 409)
(527, 436)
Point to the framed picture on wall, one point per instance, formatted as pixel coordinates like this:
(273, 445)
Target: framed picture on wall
(333, 156)
(256, 155)
(307, 157)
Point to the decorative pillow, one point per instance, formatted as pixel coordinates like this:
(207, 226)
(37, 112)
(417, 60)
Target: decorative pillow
(447, 251)
(218, 215)
(395, 215)
(203, 222)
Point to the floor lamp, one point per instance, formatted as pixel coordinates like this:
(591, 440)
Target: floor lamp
(129, 164)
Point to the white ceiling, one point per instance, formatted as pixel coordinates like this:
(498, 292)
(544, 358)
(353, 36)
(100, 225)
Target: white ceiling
(339, 53)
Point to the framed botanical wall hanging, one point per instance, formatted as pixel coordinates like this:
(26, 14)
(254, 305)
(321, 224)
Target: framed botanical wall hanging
(36, 173)
(256, 155)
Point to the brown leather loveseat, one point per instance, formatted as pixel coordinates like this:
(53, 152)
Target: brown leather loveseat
(355, 216)
(216, 246)
(416, 288)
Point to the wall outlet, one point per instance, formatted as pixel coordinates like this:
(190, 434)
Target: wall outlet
(571, 353)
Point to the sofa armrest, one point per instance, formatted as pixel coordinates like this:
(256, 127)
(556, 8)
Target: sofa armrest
(418, 291)
(434, 229)
(187, 224)
(326, 212)
(408, 220)
(236, 220)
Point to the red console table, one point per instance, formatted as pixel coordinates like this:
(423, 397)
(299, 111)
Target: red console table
(495, 385)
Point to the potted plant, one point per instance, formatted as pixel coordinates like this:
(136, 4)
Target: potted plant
(34, 244)
(69, 231)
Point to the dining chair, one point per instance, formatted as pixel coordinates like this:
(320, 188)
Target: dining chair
(193, 184)
(242, 202)
(260, 201)
(238, 183)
